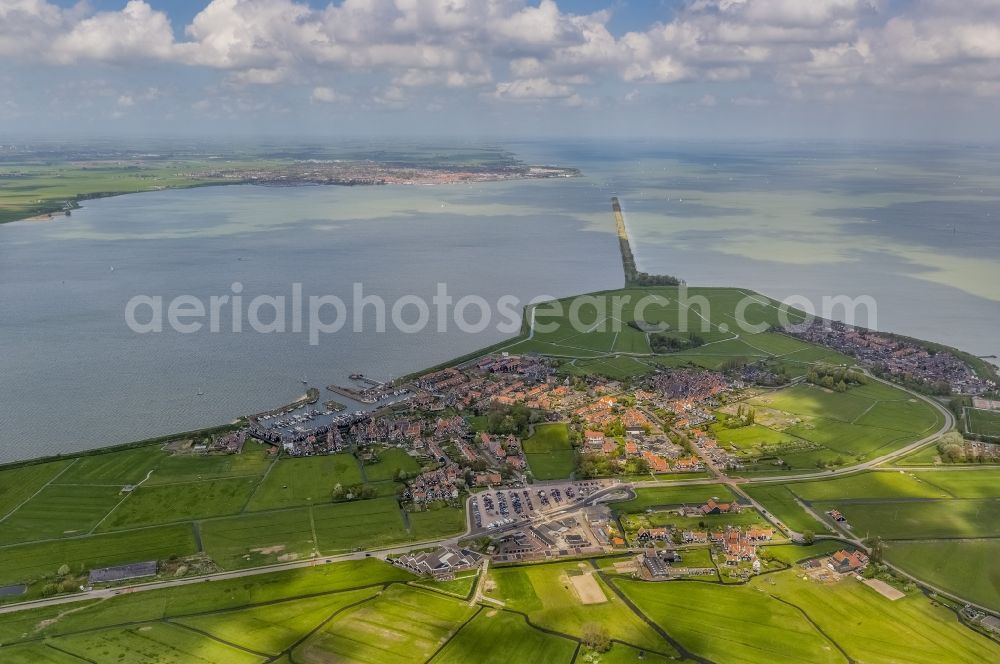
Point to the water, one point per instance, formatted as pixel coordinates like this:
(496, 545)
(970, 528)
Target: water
(913, 227)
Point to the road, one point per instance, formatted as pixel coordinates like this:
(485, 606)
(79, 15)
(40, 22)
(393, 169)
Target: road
(718, 476)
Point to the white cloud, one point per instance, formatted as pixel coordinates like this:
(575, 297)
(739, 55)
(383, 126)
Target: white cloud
(324, 94)
(135, 32)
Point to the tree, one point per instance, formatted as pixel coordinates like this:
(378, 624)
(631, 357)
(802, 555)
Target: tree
(597, 637)
(808, 536)
(63, 570)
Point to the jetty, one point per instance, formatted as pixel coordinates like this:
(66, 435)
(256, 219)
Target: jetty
(633, 277)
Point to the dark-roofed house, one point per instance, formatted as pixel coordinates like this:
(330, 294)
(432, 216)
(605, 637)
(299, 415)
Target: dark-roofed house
(441, 564)
(123, 572)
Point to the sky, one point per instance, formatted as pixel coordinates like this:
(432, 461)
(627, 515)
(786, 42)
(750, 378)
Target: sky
(699, 69)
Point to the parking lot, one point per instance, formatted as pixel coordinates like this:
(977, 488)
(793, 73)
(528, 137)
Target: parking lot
(497, 508)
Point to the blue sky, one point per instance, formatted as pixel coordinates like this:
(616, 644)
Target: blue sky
(921, 69)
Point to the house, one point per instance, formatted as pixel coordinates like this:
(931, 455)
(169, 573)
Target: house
(695, 537)
(651, 534)
(609, 447)
(593, 438)
(760, 534)
(656, 463)
(837, 516)
(713, 507)
(486, 479)
(631, 448)
(844, 561)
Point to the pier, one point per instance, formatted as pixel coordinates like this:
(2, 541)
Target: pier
(633, 277)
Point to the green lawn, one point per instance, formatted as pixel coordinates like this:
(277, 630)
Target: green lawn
(967, 568)
(303, 481)
(805, 399)
(154, 642)
(985, 422)
(921, 519)
(29, 562)
(980, 482)
(436, 523)
(874, 630)
(502, 637)
(198, 598)
(546, 594)
(253, 539)
(668, 496)
(275, 627)
(390, 462)
(357, 525)
(19, 484)
(122, 467)
(550, 455)
(59, 511)
(731, 623)
(399, 626)
(461, 585)
(37, 653)
(780, 501)
(791, 554)
(156, 504)
(190, 467)
(879, 484)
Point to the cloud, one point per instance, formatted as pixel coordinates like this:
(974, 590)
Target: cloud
(533, 51)
(532, 89)
(324, 95)
(135, 32)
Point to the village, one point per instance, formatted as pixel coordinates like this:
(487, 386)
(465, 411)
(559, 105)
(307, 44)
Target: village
(898, 358)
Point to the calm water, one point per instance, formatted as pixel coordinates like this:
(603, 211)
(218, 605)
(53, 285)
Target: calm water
(915, 228)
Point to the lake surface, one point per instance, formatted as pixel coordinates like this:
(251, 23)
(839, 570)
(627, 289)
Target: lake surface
(913, 227)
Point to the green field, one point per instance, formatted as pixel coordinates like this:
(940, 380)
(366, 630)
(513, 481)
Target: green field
(967, 568)
(668, 496)
(357, 525)
(780, 501)
(391, 462)
(501, 637)
(401, 625)
(984, 422)
(274, 628)
(30, 562)
(921, 519)
(867, 485)
(730, 623)
(197, 599)
(436, 523)
(60, 511)
(253, 461)
(121, 467)
(870, 628)
(19, 484)
(303, 481)
(262, 538)
(980, 482)
(167, 503)
(550, 455)
(154, 642)
(461, 585)
(546, 594)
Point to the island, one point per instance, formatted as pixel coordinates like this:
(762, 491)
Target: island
(822, 494)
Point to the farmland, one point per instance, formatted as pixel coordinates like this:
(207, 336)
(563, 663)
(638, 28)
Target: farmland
(921, 519)
(273, 628)
(498, 637)
(668, 496)
(550, 455)
(19, 484)
(967, 568)
(746, 625)
(780, 501)
(294, 482)
(983, 422)
(545, 593)
(400, 625)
